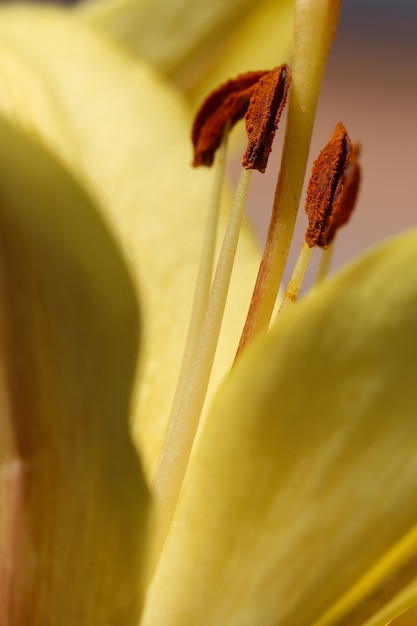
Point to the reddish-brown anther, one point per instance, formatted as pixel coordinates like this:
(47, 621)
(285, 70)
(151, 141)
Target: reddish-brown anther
(225, 105)
(332, 189)
(265, 107)
(347, 199)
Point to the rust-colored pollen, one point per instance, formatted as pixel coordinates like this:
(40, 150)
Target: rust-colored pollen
(265, 107)
(332, 189)
(260, 97)
(225, 105)
(346, 202)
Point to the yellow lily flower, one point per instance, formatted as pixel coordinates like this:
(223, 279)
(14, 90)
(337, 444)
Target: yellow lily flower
(296, 507)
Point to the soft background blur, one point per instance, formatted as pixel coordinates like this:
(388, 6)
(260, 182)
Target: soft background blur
(371, 86)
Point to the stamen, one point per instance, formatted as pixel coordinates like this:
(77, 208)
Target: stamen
(315, 28)
(297, 277)
(347, 200)
(325, 188)
(225, 105)
(181, 433)
(259, 95)
(203, 285)
(262, 117)
(341, 211)
(331, 196)
(218, 113)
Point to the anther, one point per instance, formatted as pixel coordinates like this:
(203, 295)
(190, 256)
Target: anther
(332, 189)
(331, 197)
(225, 105)
(259, 97)
(265, 107)
(347, 198)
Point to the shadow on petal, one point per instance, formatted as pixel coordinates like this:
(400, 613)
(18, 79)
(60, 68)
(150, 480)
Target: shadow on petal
(74, 503)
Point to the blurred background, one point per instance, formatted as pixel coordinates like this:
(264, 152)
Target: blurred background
(371, 86)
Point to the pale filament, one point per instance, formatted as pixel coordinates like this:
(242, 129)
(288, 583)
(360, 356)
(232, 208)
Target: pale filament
(188, 405)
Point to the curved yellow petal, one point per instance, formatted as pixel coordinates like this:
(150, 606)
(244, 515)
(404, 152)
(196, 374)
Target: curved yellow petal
(403, 604)
(126, 135)
(168, 34)
(384, 592)
(199, 44)
(74, 505)
(305, 475)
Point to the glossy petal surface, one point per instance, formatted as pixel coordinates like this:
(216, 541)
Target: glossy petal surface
(73, 501)
(303, 479)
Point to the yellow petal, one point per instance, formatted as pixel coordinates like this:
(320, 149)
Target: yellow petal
(191, 40)
(263, 40)
(73, 499)
(126, 133)
(305, 475)
(398, 606)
